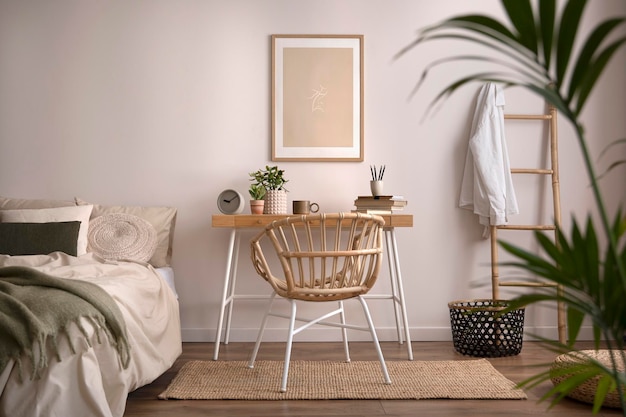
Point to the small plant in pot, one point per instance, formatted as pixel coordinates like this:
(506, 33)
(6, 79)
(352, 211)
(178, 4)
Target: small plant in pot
(257, 192)
(273, 180)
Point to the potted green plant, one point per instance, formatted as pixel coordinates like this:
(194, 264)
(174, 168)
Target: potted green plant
(538, 47)
(272, 179)
(257, 192)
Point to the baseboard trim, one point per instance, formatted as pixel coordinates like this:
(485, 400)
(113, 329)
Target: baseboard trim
(418, 334)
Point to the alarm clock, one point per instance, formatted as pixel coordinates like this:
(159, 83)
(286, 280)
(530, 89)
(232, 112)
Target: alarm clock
(230, 202)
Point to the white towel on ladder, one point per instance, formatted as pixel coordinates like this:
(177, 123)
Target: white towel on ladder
(487, 187)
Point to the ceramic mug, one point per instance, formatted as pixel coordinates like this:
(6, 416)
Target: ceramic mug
(305, 207)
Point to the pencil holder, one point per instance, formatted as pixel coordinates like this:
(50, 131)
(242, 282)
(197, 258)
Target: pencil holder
(376, 187)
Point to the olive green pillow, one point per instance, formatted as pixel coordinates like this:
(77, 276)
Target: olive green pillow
(39, 238)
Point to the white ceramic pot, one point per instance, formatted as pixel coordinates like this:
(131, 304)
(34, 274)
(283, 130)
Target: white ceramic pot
(275, 202)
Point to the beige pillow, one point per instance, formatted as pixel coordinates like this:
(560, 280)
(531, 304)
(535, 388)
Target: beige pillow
(57, 214)
(163, 219)
(7, 203)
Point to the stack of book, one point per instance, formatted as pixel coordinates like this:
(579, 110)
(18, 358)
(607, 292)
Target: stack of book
(383, 204)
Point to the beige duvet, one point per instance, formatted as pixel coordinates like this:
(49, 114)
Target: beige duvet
(92, 382)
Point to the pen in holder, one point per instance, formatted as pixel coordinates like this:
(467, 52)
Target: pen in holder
(376, 184)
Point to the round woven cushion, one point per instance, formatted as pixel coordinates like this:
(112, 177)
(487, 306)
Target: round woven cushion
(121, 236)
(587, 390)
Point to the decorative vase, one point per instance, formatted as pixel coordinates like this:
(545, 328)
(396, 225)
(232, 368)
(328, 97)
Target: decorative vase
(256, 206)
(275, 202)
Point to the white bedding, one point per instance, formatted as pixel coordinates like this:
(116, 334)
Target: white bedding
(92, 382)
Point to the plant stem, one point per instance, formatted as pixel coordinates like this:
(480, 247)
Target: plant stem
(612, 239)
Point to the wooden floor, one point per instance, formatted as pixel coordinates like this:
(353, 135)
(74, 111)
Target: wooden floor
(143, 402)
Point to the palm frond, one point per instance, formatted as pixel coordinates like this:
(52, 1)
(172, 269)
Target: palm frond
(593, 43)
(547, 13)
(570, 21)
(595, 68)
(520, 13)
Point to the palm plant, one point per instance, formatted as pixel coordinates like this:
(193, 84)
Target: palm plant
(535, 50)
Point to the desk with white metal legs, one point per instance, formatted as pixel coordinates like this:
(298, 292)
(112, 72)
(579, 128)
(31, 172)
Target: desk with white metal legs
(236, 222)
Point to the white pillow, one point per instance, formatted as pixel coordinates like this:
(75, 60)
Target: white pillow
(58, 214)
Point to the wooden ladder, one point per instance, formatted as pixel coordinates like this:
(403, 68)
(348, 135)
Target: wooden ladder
(553, 171)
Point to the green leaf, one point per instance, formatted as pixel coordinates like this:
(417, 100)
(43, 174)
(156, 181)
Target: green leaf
(594, 71)
(479, 23)
(611, 167)
(547, 13)
(575, 375)
(570, 20)
(574, 323)
(521, 15)
(610, 145)
(605, 385)
(600, 33)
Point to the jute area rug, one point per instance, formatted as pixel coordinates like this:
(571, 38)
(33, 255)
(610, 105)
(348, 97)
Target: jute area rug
(325, 380)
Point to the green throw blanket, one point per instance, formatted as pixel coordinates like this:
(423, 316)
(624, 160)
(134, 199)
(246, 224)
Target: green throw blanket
(37, 309)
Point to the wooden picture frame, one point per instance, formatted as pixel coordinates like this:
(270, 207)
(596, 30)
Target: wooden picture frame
(317, 98)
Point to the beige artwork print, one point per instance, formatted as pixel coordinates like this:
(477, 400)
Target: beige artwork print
(318, 97)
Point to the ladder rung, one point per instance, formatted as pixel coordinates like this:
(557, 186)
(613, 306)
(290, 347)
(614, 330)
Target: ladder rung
(527, 227)
(532, 171)
(528, 116)
(526, 284)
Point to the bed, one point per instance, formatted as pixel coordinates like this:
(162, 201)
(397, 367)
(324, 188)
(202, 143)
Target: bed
(125, 251)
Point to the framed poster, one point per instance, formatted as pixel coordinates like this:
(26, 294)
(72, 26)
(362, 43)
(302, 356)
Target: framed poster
(317, 97)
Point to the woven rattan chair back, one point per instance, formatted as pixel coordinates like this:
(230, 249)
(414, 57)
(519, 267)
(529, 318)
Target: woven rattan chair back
(323, 257)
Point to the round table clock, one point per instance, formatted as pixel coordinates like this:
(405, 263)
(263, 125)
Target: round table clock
(230, 202)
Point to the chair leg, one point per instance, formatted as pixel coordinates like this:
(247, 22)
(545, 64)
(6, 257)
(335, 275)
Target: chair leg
(344, 331)
(370, 323)
(292, 324)
(261, 330)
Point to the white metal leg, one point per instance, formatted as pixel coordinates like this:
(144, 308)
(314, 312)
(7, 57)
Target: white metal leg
(370, 324)
(259, 337)
(232, 286)
(292, 331)
(394, 288)
(344, 331)
(393, 245)
(227, 292)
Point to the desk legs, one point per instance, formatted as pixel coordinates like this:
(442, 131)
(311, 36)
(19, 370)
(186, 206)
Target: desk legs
(397, 296)
(227, 294)
(397, 290)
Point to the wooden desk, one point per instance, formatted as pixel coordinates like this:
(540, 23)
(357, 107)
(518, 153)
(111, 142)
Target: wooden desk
(237, 222)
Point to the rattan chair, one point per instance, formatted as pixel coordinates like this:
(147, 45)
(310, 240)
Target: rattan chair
(322, 258)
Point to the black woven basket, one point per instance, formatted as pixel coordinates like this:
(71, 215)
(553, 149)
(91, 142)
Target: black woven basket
(479, 328)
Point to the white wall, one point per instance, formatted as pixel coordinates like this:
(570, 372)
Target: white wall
(156, 102)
